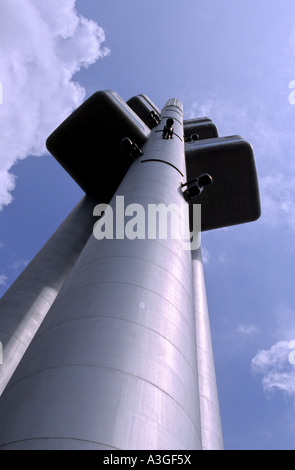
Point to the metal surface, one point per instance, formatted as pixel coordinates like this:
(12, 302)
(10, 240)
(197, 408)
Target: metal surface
(203, 127)
(151, 103)
(233, 197)
(142, 106)
(25, 304)
(114, 364)
(212, 438)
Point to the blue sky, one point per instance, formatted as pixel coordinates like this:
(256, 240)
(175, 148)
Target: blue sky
(232, 61)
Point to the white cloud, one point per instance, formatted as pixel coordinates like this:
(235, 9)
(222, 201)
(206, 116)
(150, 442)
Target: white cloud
(278, 199)
(247, 329)
(222, 258)
(18, 264)
(3, 280)
(275, 357)
(277, 369)
(43, 44)
(224, 114)
(206, 256)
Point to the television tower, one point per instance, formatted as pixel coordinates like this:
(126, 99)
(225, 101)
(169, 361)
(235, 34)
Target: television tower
(121, 357)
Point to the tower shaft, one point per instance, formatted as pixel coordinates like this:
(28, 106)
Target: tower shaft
(114, 364)
(211, 427)
(25, 304)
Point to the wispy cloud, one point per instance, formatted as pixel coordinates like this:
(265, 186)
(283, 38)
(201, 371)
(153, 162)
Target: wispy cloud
(206, 256)
(3, 280)
(18, 264)
(276, 367)
(43, 44)
(278, 198)
(248, 330)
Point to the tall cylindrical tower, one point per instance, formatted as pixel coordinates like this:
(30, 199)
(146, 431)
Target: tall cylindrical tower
(114, 364)
(212, 438)
(25, 304)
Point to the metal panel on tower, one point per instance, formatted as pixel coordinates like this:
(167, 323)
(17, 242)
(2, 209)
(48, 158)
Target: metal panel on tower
(88, 143)
(145, 109)
(233, 198)
(199, 129)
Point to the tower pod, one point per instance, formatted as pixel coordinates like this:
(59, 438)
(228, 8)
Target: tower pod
(145, 109)
(202, 127)
(88, 143)
(233, 198)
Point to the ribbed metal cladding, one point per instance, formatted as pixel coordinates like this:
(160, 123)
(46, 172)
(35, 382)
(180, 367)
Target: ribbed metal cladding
(114, 364)
(212, 438)
(25, 304)
(174, 102)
